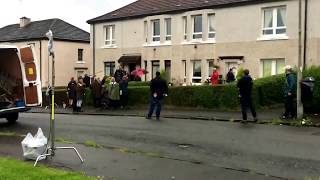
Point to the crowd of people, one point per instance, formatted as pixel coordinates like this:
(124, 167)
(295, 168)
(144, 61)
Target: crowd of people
(109, 93)
(112, 92)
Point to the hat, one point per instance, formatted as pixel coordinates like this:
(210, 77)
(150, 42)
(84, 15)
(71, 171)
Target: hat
(287, 67)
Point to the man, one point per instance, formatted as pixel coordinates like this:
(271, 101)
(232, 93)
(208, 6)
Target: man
(118, 75)
(87, 80)
(230, 76)
(214, 77)
(72, 85)
(245, 90)
(124, 91)
(159, 89)
(290, 93)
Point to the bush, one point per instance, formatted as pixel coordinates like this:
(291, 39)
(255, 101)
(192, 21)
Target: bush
(138, 83)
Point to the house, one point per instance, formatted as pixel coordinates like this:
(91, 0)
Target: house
(71, 47)
(187, 38)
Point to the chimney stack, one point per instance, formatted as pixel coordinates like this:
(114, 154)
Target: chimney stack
(24, 21)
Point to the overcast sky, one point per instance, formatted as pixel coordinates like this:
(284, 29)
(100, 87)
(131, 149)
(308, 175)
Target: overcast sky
(76, 12)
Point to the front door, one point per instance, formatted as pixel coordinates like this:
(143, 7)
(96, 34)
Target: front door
(31, 77)
(232, 65)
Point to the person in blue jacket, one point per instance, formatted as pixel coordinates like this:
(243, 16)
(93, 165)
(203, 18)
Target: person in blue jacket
(289, 93)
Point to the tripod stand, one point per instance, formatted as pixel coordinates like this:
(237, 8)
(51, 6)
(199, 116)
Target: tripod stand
(50, 151)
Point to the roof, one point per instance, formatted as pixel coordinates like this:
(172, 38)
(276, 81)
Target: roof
(142, 8)
(37, 29)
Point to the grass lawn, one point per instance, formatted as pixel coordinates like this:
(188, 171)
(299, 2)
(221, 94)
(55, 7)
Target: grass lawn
(17, 170)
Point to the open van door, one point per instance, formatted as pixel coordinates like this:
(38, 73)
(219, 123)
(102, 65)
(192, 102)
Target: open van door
(31, 77)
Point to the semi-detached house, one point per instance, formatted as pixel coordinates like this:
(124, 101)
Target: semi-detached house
(187, 38)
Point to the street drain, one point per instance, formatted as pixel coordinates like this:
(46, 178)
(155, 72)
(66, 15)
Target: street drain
(185, 146)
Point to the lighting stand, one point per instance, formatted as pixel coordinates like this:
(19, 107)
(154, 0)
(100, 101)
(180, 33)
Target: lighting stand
(50, 151)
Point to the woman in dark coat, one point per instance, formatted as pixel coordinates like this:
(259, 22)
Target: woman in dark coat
(72, 85)
(81, 88)
(96, 92)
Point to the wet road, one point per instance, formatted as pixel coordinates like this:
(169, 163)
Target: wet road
(185, 149)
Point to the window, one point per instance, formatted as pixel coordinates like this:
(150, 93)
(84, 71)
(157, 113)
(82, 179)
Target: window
(156, 30)
(196, 72)
(80, 55)
(109, 68)
(211, 26)
(272, 67)
(168, 29)
(274, 21)
(197, 26)
(110, 35)
(184, 65)
(210, 66)
(155, 68)
(146, 31)
(167, 67)
(185, 27)
(80, 73)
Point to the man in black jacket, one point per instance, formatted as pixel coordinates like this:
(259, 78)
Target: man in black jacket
(159, 89)
(245, 90)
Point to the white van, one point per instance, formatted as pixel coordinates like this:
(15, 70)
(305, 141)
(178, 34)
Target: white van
(20, 85)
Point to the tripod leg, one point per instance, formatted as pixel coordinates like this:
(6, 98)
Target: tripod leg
(73, 148)
(40, 157)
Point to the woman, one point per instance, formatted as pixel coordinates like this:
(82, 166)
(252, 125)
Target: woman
(214, 77)
(114, 93)
(72, 85)
(80, 94)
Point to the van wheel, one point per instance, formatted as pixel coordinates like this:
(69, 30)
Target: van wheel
(12, 118)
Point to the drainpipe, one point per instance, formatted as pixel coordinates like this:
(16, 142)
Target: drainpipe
(299, 69)
(94, 49)
(40, 60)
(305, 34)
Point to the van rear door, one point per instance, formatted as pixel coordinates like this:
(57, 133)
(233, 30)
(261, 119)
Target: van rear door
(31, 77)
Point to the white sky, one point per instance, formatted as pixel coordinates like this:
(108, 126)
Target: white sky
(75, 12)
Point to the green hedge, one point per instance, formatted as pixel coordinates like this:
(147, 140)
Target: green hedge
(267, 92)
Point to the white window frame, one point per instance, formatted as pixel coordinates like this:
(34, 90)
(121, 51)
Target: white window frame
(196, 77)
(210, 61)
(273, 65)
(168, 36)
(156, 36)
(145, 24)
(112, 40)
(193, 26)
(185, 28)
(274, 27)
(211, 32)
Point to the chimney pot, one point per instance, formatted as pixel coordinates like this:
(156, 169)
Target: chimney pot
(24, 21)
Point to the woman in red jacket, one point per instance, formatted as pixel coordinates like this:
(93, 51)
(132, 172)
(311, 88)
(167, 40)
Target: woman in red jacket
(215, 77)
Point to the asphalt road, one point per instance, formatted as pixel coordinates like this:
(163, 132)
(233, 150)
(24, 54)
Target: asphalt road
(136, 148)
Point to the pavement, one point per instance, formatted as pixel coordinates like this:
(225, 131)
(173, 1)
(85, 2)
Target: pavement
(265, 115)
(133, 148)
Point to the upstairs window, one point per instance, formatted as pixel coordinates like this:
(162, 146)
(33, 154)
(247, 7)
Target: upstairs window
(168, 29)
(80, 55)
(185, 28)
(211, 26)
(156, 30)
(110, 35)
(197, 27)
(274, 21)
(146, 31)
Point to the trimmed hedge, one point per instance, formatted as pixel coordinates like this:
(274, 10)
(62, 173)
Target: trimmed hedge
(267, 92)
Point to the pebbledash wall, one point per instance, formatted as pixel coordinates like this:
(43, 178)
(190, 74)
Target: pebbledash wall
(66, 56)
(238, 32)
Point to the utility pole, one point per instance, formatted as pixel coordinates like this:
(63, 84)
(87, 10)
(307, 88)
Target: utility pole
(300, 68)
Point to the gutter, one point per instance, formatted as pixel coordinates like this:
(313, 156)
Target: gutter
(305, 34)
